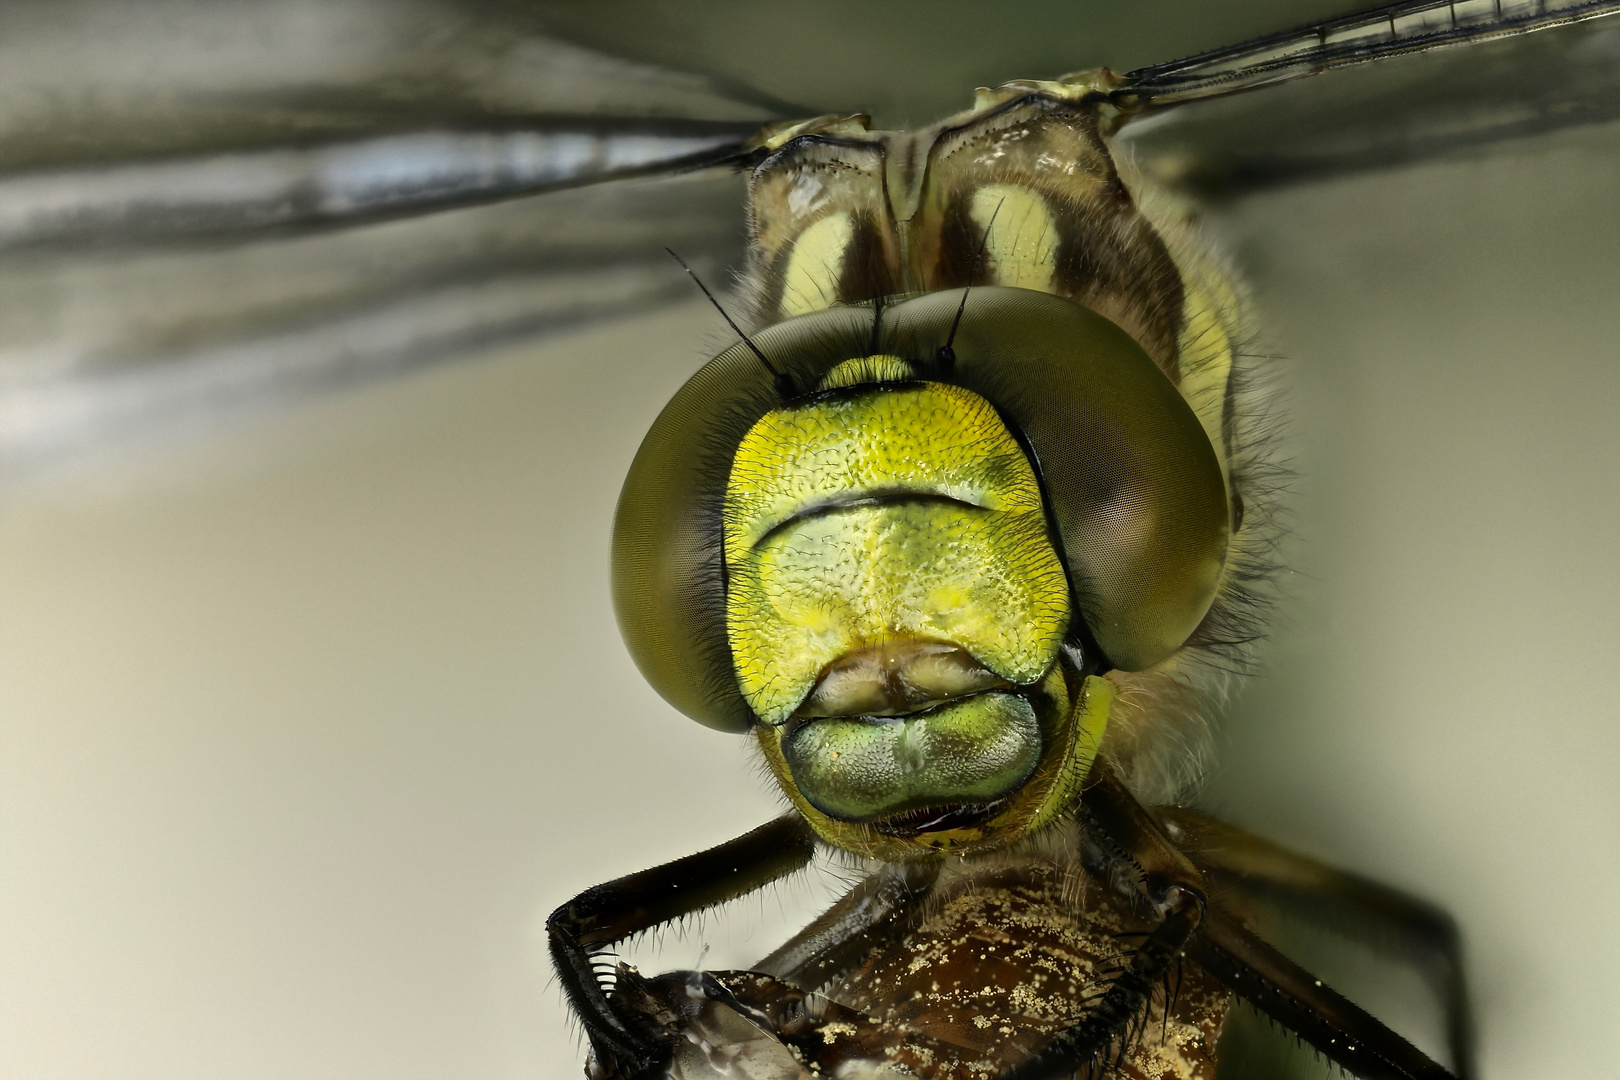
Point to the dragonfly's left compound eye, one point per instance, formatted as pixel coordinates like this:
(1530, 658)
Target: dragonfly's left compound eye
(761, 547)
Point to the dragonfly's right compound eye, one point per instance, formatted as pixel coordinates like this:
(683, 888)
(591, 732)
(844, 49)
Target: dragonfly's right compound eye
(669, 574)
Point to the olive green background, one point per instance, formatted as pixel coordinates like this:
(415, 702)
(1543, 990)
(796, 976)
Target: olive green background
(306, 723)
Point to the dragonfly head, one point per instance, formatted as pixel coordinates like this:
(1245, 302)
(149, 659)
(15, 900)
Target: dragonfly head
(907, 578)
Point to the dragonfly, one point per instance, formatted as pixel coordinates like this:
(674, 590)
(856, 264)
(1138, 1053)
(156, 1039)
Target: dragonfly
(230, 370)
(840, 215)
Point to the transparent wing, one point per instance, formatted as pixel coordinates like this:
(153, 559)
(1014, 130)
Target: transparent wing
(206, 204)
(211, 203)
(1531, 66)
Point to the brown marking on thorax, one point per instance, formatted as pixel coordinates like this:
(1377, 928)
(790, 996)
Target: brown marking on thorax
(918, 206)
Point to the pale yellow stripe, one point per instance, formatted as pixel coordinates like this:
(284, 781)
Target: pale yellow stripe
(811, 281)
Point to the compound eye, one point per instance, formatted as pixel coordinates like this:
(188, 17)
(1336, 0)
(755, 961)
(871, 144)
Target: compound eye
(668, 562)
(1133, 485)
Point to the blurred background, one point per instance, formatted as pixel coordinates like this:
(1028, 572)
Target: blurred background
(310, 716)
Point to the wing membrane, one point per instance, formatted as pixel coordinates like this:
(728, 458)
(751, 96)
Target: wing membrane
(163, 118)
(1413, 26)
(103, 344)
(1511, 81)
(332, 185)
(210, 204)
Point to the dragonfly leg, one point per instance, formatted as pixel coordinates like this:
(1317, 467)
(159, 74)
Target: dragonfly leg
(1126, 847)
(1344, 1033)
(599, 917)
(838, 939)
(1246, 872)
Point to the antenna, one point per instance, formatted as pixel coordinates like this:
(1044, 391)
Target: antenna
(946, 355)
(784, 383)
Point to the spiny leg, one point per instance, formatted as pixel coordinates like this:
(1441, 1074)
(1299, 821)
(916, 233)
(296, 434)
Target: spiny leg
(1126, 847)
(1129, 849)
(1245, 870)
(838, 939)
(601, 916)
(1346, 1034)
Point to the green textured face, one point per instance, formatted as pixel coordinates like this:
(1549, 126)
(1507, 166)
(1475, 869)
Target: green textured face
(889, 575)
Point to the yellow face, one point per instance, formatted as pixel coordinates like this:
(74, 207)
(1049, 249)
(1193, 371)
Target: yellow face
(901, 513)
(895, 609)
